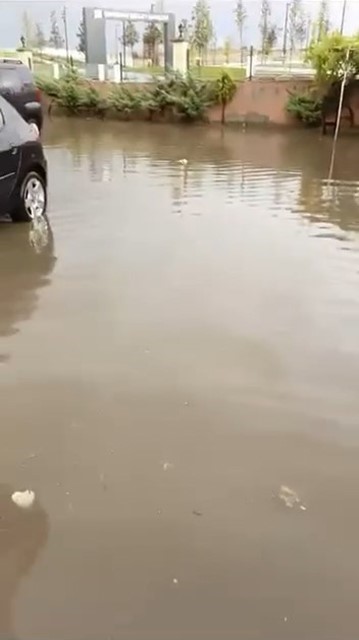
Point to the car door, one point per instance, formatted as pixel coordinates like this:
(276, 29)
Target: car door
(9, 159)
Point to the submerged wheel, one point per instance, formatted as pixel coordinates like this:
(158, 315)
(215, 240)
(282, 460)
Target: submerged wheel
(33, 199)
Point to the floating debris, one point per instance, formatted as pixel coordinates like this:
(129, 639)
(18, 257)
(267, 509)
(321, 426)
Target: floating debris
(167, 466)
(183, 162)
(197, 513)
(290, 498)
(23, 499)
(175, 581)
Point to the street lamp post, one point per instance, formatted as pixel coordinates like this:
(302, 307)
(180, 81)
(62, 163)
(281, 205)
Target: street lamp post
(344, 10)
(124, 43)
(285, 33)
(64, 17)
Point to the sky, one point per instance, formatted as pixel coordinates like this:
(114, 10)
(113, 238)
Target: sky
(11, 12)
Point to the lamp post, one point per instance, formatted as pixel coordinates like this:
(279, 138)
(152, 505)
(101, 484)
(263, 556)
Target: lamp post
(339, 113)
(344, 9)
(285, 32)
(64, 17)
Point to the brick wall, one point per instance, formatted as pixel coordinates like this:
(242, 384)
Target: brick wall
(261, 101)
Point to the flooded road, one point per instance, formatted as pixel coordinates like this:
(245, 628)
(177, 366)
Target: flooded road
(184, 343)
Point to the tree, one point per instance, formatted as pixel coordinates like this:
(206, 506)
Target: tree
(322, 25)
(264, 24)
(202, 27)
(56, 40)
(329, 57)
(297, 25)
(131, 36)
(270, 39)
(39, 39)
(28, 29)
(225, 88)
(152, 37)
(227, 49)
(240, 14)
(81, 36)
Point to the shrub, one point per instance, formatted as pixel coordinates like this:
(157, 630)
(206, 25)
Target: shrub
(48, 86)
(92, 101)
(191, 96)
(71, 95)
(307, 108)
(125, 101)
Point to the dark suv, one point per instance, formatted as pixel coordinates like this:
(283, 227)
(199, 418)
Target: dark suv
(17, 85)
(23, 167)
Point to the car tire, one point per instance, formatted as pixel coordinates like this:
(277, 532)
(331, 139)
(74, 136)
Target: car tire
(32, 202)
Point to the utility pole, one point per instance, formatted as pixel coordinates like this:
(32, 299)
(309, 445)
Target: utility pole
(344, 9)
(64, 17)
(285, 32)
(124, 43)
(339, 114)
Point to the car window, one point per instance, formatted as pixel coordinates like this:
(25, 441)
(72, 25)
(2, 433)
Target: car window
(9, 79)
(24, 74)
(13, 120)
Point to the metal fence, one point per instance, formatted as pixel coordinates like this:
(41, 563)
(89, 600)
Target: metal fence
(247, 63)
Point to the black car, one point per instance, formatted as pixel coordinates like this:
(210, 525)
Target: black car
(23, 167)
(17, 85)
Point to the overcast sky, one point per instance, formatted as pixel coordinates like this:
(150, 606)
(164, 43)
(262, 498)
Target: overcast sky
(11, 12)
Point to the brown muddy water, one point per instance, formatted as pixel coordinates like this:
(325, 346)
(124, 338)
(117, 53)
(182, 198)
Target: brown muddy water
(182, 343)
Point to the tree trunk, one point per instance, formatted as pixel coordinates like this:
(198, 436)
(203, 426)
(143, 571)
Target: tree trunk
(223, 114)
(241, 43)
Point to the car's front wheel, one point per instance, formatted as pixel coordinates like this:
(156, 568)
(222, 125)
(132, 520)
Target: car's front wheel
(32, 199)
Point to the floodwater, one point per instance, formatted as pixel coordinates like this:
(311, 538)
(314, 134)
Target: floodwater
(182, 342)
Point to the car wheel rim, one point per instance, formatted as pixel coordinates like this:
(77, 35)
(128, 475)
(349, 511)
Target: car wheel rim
(34, 198)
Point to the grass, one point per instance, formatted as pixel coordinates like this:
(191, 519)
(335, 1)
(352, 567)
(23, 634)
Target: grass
(204, 72)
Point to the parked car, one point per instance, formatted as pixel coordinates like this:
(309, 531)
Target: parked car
(18, 86)
(23, 167)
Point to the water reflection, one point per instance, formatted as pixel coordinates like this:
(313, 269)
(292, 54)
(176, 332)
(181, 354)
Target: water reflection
(279, 170)
(26, 262)
(23, 534)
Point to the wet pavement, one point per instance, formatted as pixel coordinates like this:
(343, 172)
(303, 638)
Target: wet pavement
(179, 371)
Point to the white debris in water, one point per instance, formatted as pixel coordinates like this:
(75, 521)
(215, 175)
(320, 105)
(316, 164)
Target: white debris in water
(183, 162)
(23, 499)
(285, 619)
(167, 466)
(303, 507)
(290, 497)
(175, 581)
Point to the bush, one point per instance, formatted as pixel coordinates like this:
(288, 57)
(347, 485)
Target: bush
(180, 97)
(125, 101)
(193, 97)
(92, 101)
(71, 95)
(306, 107)
(50, 87)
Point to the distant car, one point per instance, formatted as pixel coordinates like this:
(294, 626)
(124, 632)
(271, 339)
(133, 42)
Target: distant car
(23, 167)
(18, 86)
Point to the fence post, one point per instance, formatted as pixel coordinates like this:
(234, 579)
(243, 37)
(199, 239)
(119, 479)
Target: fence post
(121, 67)
(251, 53)
(56, 70)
